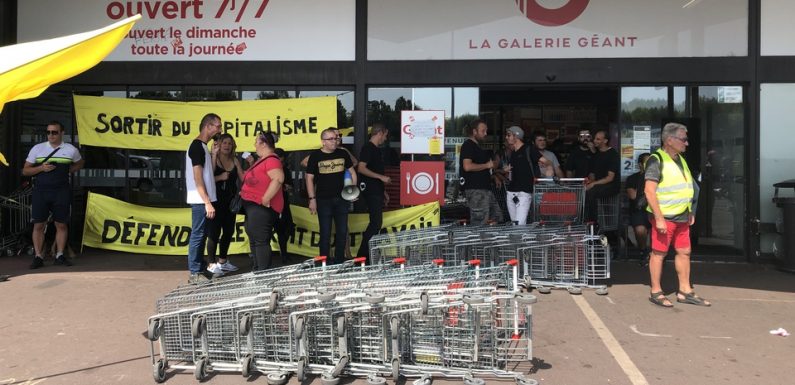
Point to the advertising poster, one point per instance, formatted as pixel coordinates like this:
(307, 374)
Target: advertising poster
(422, 132)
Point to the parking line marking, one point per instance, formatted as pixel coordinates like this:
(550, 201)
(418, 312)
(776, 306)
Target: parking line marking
(634, 328)
(715, 337)
(621, 356)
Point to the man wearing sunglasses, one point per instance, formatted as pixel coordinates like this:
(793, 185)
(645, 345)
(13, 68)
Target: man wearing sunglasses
(51, 162)
(670, 192)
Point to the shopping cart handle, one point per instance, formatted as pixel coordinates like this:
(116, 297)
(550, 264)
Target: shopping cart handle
(399, 261)
(474, 262)
(512, 262)
(321, 258)
(360, 260)
(438, 262)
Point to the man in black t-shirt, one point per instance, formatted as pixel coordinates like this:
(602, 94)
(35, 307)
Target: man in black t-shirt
(476, 166)
(371, 166)
(603, 174)
(325, 179)
(522, 172)
(579, 159)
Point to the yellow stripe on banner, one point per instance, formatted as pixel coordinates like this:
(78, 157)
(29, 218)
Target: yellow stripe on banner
(163, 125)
(115, 225)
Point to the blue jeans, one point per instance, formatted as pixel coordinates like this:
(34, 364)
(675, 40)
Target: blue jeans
(197, 238)
(335, 209)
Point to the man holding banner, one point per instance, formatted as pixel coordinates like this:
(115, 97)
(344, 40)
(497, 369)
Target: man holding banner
(325, 179)
(201, 193)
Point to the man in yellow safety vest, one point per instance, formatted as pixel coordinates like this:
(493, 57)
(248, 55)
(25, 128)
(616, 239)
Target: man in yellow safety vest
(669, 191)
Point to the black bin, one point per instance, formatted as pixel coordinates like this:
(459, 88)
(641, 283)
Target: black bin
(785, 226)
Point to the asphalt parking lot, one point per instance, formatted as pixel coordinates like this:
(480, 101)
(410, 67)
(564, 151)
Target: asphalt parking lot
(86, 324)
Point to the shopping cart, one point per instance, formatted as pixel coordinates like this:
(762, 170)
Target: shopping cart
(333, 320)
(15, 217)
(558, 200)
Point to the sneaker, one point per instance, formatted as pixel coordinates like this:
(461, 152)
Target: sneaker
(216, 270)
(197, 278)
(37, 263)
(227, 266)
(61, 260)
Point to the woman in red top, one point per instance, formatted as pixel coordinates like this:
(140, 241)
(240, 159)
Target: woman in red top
(263, 200)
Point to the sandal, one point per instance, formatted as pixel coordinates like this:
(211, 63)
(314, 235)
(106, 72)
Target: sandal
(660, 299)
(692, 298)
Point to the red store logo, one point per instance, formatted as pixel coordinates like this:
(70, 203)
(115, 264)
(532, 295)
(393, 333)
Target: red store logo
(552, 17)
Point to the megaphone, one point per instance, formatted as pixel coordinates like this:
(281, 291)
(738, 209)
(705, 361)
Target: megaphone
(350, 192)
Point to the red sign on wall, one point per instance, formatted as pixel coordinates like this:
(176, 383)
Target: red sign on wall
(421, 182)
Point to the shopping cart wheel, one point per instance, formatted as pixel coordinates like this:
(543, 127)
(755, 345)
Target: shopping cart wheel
(601, 291)
(574, 290)
(522, 380)
(525, 298)
(300, 372)
(469, 380)
(198, 326)
(472, 299)
(544, 290)
(528, 283)
(395, 368)
(201, 369)
(276, 378)
(155, 329)
(30, 250)
(340, 329)
(245, 324)
(394, 326)
(329, 379)
(299, 328)
(374, 298)
(159, 371)
(372, 379)
(247, 365)
(424, 302)
(424, 380)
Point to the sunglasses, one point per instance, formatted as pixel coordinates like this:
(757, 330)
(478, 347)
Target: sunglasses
(269, 138)
(683, 140)
(53, 132)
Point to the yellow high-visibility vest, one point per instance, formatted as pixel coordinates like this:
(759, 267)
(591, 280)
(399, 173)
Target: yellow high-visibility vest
(675, 190)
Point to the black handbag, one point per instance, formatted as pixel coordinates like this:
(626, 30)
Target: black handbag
(236, 204)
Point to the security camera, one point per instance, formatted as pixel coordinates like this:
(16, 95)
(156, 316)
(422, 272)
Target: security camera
(551, 77)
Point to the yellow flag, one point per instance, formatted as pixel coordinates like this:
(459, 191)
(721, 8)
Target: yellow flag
(27, 69)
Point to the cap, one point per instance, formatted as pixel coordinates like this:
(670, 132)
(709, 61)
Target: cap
(516, 131)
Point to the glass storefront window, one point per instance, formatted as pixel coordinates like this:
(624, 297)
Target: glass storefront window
(642, 110)
(722, 166)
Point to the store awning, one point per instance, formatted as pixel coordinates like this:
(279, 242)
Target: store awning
(28, 69)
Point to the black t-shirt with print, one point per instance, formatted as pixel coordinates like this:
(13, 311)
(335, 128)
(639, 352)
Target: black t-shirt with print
(373, 157)
(329, 171)
(477, 180)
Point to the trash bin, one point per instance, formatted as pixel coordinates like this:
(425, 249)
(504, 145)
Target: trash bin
(784, 246)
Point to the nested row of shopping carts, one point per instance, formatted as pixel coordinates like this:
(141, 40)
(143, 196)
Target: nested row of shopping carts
(570, 257)
(459, 320)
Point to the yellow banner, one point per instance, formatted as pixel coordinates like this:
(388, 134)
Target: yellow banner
(162, 125)
(115, 225)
